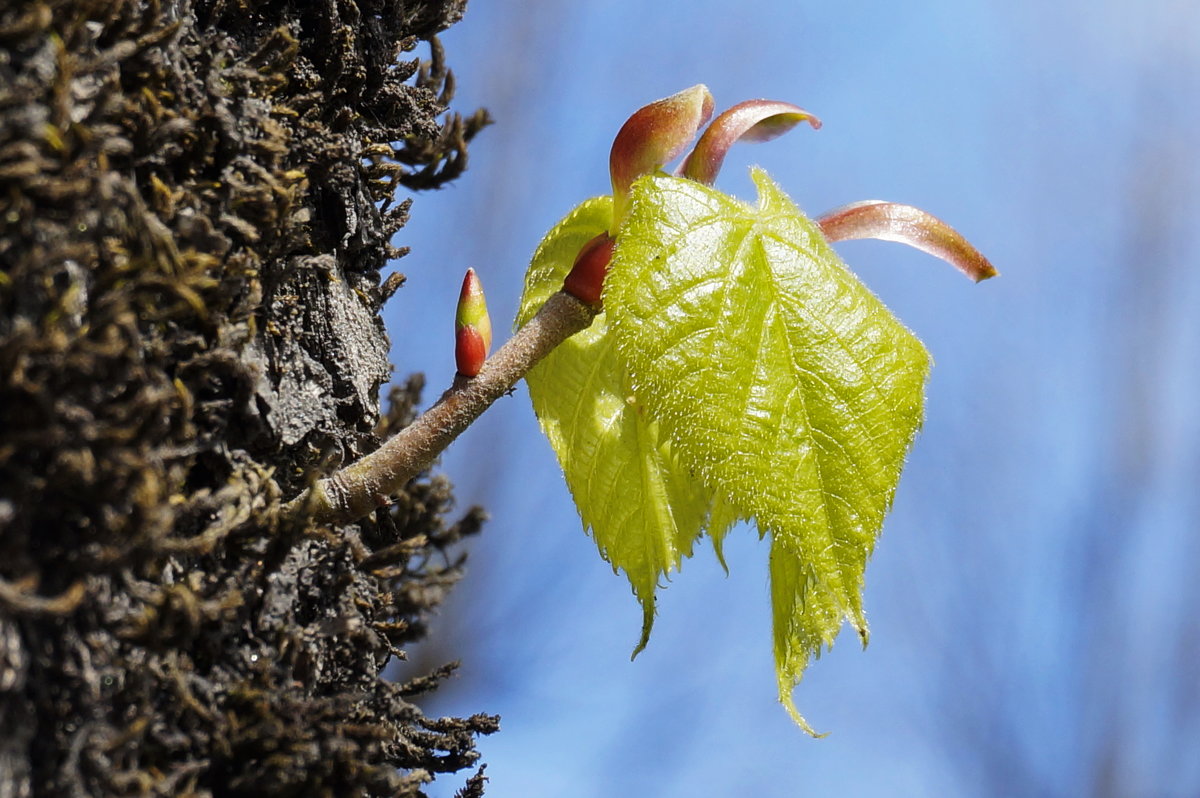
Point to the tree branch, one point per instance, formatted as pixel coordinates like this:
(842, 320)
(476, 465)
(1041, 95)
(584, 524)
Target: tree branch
(363, 486)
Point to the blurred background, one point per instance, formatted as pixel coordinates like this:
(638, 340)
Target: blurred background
(1034, 599)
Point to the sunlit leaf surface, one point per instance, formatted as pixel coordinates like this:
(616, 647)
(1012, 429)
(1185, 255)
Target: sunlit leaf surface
(739, 372)
(643, 511)
(781, 382)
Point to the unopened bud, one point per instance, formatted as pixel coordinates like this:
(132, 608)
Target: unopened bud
(585, 281)
(472, 327)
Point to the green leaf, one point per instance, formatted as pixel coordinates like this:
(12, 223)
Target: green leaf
(782, 383)
(642, 509)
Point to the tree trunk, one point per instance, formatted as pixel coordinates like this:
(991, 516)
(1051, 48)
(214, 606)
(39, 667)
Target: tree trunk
(196, 200)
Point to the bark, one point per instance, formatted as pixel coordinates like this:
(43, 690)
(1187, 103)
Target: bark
(196, 200)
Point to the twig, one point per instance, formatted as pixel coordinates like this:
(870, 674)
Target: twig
(363, 486)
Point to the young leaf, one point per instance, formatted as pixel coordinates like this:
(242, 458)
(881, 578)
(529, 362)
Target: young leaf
(782, 383)
(643, 511)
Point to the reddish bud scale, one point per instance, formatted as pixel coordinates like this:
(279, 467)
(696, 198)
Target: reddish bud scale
(651, 137)
(585, 281)
(470, 351)
(752, 120)
(904, 224)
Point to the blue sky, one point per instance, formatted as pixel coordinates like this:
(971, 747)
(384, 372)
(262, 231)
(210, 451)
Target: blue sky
(1032, 600)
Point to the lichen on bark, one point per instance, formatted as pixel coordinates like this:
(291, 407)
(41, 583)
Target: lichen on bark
(196, 200)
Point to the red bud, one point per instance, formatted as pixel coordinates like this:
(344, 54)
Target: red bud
(585, 281)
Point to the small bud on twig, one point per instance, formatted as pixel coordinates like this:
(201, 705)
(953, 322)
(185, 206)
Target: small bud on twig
(353, 492)
(472, 327)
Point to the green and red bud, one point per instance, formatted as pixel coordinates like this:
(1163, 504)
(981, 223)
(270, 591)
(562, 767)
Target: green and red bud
(890, 221)
(472, 327)
(653, 136)
(752, 120)
(585, 281)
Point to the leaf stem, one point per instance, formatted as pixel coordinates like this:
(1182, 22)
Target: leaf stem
(363, 486)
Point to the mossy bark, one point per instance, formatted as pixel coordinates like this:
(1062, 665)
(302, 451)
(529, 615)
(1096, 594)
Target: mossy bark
(196, 200)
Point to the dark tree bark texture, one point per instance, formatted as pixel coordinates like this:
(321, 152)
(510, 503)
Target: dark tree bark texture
(196, 200)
